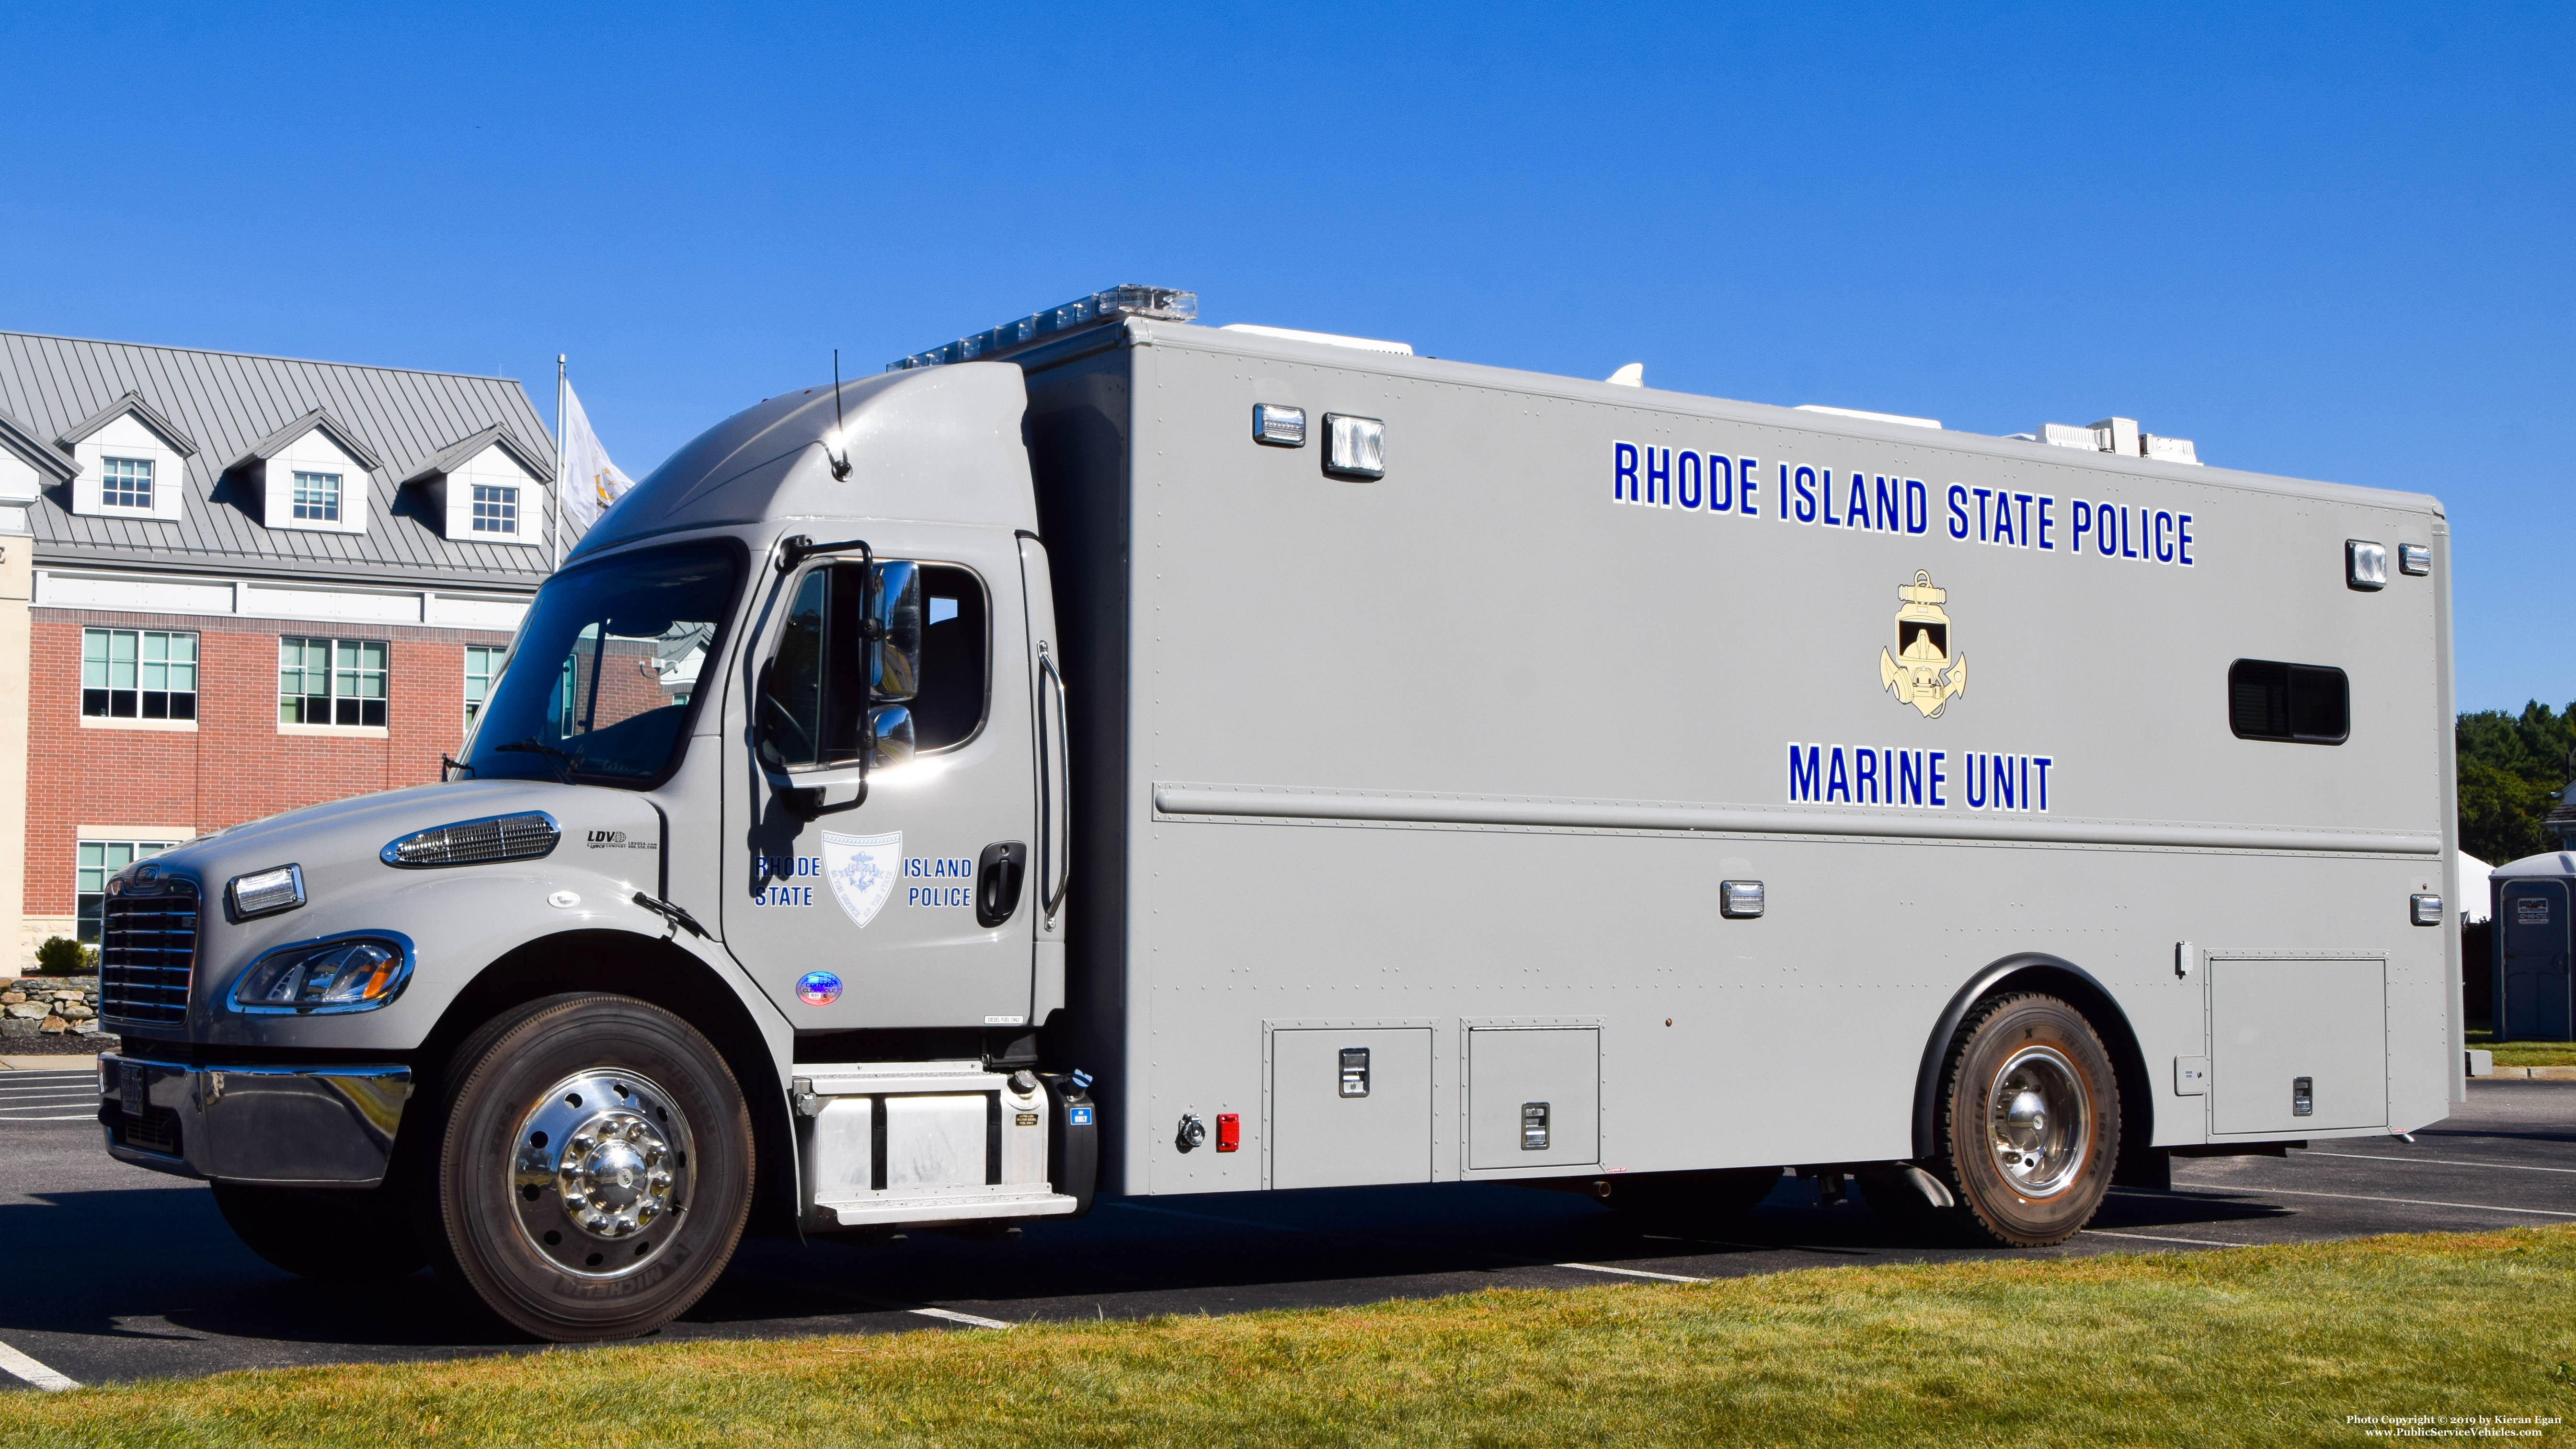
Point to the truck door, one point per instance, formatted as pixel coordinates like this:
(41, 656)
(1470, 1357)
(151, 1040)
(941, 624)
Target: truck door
(910, 907)
(2531, 916)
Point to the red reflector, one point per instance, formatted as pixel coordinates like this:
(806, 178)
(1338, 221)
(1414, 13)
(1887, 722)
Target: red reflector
(1229, 1131)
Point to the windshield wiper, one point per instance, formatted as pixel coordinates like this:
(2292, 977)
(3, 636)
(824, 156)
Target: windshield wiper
(534, 746)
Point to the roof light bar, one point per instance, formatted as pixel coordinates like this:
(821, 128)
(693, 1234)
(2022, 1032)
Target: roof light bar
(1162, 303)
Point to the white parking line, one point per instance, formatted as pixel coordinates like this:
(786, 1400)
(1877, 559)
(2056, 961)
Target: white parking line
(2156, 1238)
(2366, 1197)
(2437, 1161)
(969, 1319)
(1629, 1272)
(21, 1366)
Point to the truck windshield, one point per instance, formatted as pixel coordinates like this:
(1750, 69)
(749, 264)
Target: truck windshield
(598, 684)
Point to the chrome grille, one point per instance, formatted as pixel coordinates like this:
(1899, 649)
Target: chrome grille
(147, 945)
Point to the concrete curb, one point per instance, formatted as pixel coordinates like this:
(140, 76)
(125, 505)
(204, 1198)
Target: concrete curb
(63, 1063)
(2538, 1074)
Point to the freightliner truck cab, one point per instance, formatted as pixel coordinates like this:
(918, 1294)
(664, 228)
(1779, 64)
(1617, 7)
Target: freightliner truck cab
(746, 898)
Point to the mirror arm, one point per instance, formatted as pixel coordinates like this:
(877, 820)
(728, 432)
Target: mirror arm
(798, 547)
(836, 790)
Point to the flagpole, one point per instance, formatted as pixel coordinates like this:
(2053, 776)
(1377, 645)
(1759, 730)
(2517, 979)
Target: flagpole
(554, 547)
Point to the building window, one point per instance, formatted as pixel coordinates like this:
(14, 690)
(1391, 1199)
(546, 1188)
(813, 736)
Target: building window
(126, 483)
(317, 496)
(138, 674)
(100, 859)
(496, 510)
(482, 666)
(331, 681)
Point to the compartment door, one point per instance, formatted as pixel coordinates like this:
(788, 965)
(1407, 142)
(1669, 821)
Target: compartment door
(2275, 1024)
(1533, 1096)
(1349, 1107)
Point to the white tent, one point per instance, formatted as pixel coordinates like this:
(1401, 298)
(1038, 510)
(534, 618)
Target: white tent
(2469, 885)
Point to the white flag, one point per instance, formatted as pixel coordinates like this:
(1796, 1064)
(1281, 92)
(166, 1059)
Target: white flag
(591, 482)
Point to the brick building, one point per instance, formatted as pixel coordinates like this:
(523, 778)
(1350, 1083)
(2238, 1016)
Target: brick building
(234, 585)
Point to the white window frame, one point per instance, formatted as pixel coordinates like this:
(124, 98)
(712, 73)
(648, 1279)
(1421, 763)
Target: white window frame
(142, 664)
(325, 507)
(505, 509)
(343, 662)
(108, 479)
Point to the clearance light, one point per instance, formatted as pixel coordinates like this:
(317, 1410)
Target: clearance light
(266, 892)
(356, 974)
(1164, 303)
(1279, 427)
(1354, 447)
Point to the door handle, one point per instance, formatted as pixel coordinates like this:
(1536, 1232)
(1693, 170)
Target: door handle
(1055, 798)
(998, 875)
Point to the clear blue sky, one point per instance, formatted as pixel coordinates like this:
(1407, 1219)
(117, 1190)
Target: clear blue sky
(2331, 241)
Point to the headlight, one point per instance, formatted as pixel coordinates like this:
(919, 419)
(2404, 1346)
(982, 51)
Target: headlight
(266, 892)
(352, 974)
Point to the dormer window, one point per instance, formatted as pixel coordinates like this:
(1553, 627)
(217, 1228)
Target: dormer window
(310, 475)
(496, 509)
(487, 486)
(126, 482)
(317, 496)
(127, 461)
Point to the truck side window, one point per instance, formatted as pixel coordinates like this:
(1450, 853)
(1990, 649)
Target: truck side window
(813, 695)
(956, 670)
(2308, 704)
(813, 700)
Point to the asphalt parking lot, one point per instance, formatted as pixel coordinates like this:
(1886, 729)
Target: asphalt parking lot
(118, 1273)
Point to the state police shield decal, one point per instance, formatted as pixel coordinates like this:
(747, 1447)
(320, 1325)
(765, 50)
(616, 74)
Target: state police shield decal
(862, 869)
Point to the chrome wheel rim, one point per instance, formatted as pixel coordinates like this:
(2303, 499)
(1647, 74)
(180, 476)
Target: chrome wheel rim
(601, 1173)
(2039, 1121)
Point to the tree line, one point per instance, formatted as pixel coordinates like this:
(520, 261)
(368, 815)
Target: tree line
(2512, 770)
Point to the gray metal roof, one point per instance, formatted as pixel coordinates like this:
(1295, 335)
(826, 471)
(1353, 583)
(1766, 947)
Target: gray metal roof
(23, 443)
(454, 455)
(334, 429)
(228, 405)
(130, 402)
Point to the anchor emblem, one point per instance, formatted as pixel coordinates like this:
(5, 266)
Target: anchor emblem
(1922, 671)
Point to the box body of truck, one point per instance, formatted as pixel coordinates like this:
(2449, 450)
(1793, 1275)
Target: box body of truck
(1450, 763)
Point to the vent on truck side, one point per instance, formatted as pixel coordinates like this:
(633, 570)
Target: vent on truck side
(147, 947)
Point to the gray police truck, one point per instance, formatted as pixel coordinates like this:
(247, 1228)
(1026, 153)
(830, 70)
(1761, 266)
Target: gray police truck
(1111, 754)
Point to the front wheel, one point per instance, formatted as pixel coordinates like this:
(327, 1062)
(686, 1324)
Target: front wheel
(594, 1168)
(2030, 1121)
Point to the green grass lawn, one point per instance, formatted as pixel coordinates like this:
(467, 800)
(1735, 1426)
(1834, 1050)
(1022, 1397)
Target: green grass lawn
(2251, 1346)
(2526, 1053)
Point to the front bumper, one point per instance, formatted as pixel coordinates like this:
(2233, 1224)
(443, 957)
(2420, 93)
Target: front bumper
(281, 1126)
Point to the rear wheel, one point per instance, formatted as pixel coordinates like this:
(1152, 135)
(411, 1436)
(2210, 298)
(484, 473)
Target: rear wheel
(594, 1168)
(333, 1234)
(2029, 1121)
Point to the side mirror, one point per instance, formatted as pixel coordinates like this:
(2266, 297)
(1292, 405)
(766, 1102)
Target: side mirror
(894, 665)
(889, 737)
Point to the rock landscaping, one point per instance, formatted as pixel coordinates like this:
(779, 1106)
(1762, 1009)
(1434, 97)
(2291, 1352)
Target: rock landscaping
(36, 1008)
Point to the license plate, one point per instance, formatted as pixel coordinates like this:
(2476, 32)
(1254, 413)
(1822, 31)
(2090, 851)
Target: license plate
(129, 1088)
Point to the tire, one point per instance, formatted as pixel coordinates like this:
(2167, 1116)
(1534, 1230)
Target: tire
(2029, 1122)
(592, 1170)
(333, 1235)
(1685, 1201)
